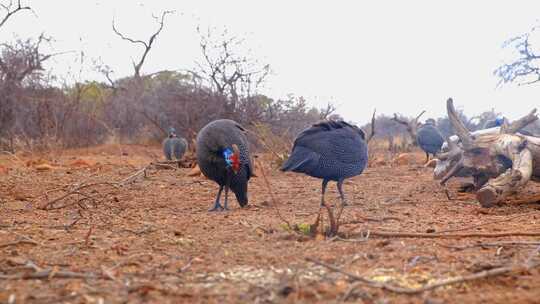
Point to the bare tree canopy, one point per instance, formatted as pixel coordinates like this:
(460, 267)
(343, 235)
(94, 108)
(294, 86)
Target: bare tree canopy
(411, 124)
(231, 73)
(146, 44)
(11, 9)
(22, 58)
(524, 68)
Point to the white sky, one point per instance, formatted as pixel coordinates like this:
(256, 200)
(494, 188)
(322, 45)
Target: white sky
(397, 56)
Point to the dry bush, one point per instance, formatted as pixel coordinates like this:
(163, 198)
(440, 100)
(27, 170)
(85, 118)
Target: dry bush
(278, 146)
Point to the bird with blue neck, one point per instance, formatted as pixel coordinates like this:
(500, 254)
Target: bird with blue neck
(223, 156)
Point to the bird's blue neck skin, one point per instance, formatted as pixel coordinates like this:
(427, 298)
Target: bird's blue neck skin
(227, 154)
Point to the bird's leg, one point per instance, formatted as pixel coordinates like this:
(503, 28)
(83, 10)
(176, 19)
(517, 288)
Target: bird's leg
(217, 205)
(340, 190)
(427, 157)
(227, 186)
(324, 184)
(226, 198)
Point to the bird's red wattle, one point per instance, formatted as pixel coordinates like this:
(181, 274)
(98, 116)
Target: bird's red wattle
(235, 159)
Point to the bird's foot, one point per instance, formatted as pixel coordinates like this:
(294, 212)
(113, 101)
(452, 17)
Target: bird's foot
(217, 207)
(344, 203)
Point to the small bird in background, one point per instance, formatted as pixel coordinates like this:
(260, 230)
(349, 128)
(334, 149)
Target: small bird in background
(330, 150)
(223, 156)
(174, 145)
(429, 138)
(497, 122)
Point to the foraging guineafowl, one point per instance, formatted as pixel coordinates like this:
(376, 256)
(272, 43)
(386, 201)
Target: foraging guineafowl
(429, 138)
(331, 150)
(223, 156)
(174, 146)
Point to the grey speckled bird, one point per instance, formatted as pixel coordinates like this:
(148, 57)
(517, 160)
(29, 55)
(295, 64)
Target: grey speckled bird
(223, 156)
(429, 138)
(174, 145)
(330, 150)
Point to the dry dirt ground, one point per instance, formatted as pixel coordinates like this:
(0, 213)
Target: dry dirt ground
(153, 241)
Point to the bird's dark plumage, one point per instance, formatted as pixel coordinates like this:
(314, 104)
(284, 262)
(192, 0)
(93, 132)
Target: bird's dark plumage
(429, 139)
(174, 146)
(216, 142)
(330, 150)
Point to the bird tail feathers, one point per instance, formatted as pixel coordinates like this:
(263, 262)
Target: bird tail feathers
(301, 160)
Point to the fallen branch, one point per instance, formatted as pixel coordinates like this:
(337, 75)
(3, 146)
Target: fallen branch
(87, 237)
(13, 156)
(157, 165)
(358, 240)
(363, 219)
(456, 280)
(18, 243)
(74, 191)
(494, 244)
(135, 175)
(49, 274)
(363, 280)
(390, 234)
(486, 223)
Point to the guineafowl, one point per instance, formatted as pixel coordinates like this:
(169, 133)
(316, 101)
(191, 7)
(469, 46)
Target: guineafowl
(429, 138)
(174, 146)
(498, 122)
(330, 150)
(223, 156)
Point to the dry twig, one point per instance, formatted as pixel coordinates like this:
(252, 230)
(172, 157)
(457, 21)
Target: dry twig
(486, 223)
(74, 191)
(48, 274)
(274, 200)
(494, 244)
(142, 171)
(390, 234)
(456, 280)
(18, 243)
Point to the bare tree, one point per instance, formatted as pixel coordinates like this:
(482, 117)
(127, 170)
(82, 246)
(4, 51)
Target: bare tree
(22, 58)
(231, 74)
(18, 62)
(327, 111)
(411, 124)
(11, 9)
(146, 44)
(372, 127)
(130, 102)
(500, 161)
(526, 66)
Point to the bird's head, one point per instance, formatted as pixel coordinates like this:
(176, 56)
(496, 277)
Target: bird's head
(172, 132)
(232, 158)
(430, 121)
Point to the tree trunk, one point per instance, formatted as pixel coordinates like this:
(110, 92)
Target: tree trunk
(515, 148)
